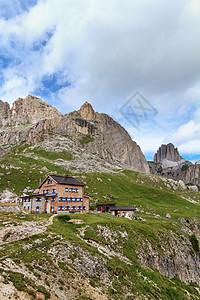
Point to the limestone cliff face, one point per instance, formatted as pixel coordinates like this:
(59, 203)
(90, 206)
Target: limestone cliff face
(32, 109)
(31, 119)
(4, 112)
(168, 152)
(168, 163)
(177, 256)
(111, 139)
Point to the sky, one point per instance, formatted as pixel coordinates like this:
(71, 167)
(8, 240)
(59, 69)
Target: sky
(138, 61)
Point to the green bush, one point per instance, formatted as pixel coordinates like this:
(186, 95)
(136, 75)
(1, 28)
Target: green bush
(194, 242)
(64, 218)
(86, 139)
(184, 167)
(42, 289)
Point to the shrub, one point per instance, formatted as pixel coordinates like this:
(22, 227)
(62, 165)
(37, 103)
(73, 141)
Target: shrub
(160, 169)
(86, 139)
(194, 242)
(6, 236)
(64, 218)
(184, 167)
(42, 289)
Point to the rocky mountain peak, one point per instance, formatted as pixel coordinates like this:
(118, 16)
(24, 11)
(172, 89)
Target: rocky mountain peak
(167, 152)
(4, 109)
(86, 111)
(32, 109)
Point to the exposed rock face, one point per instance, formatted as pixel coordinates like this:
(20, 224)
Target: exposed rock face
(4, 109)
(168, 152)
(168, 163)
(4, 112)
(110, 140)
(32, 109)
(183, 262)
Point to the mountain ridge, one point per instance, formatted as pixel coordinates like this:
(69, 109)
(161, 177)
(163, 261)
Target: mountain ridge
(31, 119)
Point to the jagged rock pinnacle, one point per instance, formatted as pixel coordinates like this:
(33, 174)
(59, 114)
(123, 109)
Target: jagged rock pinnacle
(86, 111)
(168, 152)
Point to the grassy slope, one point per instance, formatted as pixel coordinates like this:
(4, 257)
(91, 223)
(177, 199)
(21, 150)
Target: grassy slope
(123, 190)
(124, 278)
(129, 188)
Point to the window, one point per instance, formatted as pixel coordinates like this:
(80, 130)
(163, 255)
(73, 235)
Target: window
(60, 199)
(81, 199)
(77, 190)
(59, 207)
(77, 207)
(53, 199)
(43, 191)
(73, 199)
(53, 191)
(40, 199)
(28, 207)
(78, 199)
(24, 207)
(74, 190)
(47, 191)
(66, 189)
(63, 199)
(84, 207)
(68, 199)
(52, 209)
(65, 208)
(70, 189)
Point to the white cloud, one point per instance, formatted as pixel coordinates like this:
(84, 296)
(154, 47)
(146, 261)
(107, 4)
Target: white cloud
(108, 50)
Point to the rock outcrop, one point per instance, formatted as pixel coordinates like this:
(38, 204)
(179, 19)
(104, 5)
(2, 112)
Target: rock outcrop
(111, 140)
(169, 163)
(168, 152)
(31, 119)
(32, 109)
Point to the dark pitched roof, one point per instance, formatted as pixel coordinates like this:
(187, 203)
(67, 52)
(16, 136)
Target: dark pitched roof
(66, 180)
(122, 208)
(105, 204)
(32, 195)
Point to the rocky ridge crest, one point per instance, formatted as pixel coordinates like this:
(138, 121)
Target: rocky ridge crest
(31, 119)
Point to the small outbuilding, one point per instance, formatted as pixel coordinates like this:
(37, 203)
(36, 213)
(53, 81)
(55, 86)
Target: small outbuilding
(120, 211)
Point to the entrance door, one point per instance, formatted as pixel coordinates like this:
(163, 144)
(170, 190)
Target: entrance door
(37, 210)
(48, 207)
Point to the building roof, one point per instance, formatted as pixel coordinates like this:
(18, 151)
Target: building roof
(122, 208)
(105, 204)
(66, 180)
(35, 195)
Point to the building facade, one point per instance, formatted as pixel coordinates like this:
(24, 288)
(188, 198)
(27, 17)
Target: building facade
(57, 194)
